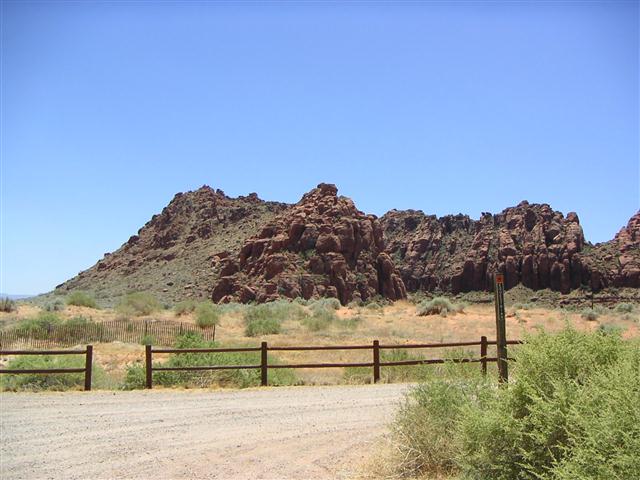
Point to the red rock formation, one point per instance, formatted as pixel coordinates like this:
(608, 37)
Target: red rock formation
(321, 247)
(530, 244)
(616, 263)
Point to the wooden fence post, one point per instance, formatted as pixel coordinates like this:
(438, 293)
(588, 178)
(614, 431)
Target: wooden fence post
(88, 363)
(483, 354)
(264, 368)
(376, 361)
(148, 370)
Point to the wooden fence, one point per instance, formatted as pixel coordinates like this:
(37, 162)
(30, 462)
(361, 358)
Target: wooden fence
(87, 352)
(375, 348)
(160, 332)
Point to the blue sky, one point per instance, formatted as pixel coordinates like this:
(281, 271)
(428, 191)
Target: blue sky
(109, 109)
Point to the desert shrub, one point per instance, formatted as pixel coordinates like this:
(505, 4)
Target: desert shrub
(624, 308)
(610, 329)
(424, 429)
(589, 314)
(231, 307)
(528, 430)
(138, 304)
(262, 326)
(81, 299)
(572, 410)
(78, 321)
(184, 307)
(58, 381)
(350, 323)
(229, 378)
(7, 305)
(267, 318)
(321, 317)
(207, 315)
(375, 306)
(438, 306)
(147, 340)
(301, 301)
(40, 324)
(56, 306)
(321, 303)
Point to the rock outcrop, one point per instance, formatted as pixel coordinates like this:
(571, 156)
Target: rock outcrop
(616, 263)
(530, 243)
(321, 247)
(171, 256)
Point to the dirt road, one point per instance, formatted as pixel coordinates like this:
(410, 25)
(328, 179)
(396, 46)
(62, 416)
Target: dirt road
(274, 433)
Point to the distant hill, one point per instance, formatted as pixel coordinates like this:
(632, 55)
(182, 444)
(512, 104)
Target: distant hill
(205, 244)
(15, 297)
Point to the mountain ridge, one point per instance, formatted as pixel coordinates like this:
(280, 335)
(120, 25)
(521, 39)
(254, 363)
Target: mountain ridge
(204, 244)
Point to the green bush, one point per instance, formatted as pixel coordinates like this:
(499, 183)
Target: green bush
(138, 304)
(38, 381)
(135, 377)
(624, 308)
(81, 299)
(350, 323)
(321, 317)
(589, 314)
(207, 315)
(267, 318)
(78, 321)
(331, 303)
(40, 324)
(262, 326)
(147, 340)
(7, 305)
(571, 410)
(56, 306)
(438, 306)
(424, 430)
(185, 307)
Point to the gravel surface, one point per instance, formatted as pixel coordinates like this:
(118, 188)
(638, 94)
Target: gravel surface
(271, 433)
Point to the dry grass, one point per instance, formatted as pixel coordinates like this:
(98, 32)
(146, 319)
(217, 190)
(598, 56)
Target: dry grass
(394, 324)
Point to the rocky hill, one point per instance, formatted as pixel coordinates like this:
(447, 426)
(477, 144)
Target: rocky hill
(322, 246)
(530, 243)
(205, 244)
(171, 256)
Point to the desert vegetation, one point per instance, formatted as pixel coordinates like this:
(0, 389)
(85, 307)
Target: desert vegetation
(81, 299)
(572, 410)
(138, 304)
(135, 377)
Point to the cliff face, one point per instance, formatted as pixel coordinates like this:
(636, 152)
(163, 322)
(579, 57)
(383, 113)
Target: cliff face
(322, 246)
(171, 256)
(530, 243)
(616, 263)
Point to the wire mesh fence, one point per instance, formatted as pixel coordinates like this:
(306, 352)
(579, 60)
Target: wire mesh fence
(158, 332)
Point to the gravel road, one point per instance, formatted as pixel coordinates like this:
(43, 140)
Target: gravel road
(272, 433)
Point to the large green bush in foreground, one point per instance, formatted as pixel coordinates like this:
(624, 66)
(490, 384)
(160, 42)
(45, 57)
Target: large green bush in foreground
(571, 411)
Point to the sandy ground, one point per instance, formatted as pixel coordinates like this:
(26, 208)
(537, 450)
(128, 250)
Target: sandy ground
(271, 433)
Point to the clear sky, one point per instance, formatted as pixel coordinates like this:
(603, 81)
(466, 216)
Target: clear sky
(110, 108)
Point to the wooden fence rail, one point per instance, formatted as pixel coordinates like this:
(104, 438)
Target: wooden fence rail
(88, 363)
(375, 347)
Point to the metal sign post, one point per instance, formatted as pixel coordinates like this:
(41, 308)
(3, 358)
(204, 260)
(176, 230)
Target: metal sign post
(501, 328)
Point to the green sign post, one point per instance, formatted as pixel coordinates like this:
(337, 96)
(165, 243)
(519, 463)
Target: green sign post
(501, 328)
